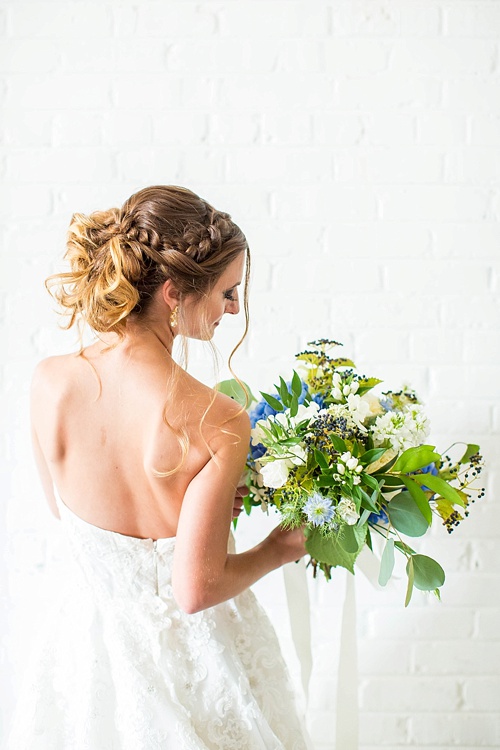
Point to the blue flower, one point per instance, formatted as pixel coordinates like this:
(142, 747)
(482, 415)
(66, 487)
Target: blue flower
(319, 399)
(378, 517)
(318, 509)
(256, 451)
(263, 410)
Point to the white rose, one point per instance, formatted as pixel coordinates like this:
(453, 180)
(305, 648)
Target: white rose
(275, 473)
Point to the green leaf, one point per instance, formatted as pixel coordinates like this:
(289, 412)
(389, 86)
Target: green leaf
(387, 562)
(370, 481)
(420, 498)
(272, 401)
(391, 481)
(415, 458)
(364, 516)
(411, 578)
(441, 487)
(294, 406)
(470, 451)
(247, 504)
(342, 362)
(352, 538)
(240, 392)
(328, 550)
(371, 456)
(321, 459)
(296, 384)
(326, 480)
(337, 443)
(284, 392)
(404, 548)
(367, 501)
(385, 467)
(405, 515)
(428, 574)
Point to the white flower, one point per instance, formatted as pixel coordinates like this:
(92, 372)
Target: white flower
(275, 473)
(299, 454)
(404, 429)
(374, 405)
(347, 511)
(305, 412)
(257, 433)
(358, 409)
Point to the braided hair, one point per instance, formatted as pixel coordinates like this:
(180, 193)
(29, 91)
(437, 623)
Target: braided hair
(118, 258)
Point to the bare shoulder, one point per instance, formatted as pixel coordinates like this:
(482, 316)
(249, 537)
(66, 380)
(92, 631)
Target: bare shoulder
(50, 372)
(225, 419)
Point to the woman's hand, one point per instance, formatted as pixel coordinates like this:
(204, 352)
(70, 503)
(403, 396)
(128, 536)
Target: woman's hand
(241, 492)
(290, 543)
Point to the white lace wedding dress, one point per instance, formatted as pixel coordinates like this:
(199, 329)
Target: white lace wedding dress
(120, 667)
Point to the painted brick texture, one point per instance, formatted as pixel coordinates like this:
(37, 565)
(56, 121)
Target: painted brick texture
(357, 143)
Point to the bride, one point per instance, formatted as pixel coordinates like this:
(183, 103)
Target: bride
(155, 641)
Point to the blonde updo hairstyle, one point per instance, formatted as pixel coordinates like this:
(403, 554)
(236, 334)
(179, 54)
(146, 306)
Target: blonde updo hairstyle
(120, 257)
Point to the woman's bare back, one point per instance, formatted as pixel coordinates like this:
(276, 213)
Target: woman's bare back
(99, 429)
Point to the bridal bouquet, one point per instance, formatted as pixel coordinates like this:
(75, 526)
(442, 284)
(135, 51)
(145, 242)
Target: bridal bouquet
(328, 453)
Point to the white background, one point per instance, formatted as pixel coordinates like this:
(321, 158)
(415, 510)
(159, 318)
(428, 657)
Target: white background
(357, 145)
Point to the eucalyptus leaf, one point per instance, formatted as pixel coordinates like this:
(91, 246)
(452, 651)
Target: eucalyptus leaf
(386, 562)
(405, 516)
(238, 391)
(411, 577)
(364, 516)
(428, 574)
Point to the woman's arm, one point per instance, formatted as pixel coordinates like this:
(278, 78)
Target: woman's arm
(204, 574)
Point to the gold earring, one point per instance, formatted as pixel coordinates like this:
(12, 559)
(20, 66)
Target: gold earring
(173, 317)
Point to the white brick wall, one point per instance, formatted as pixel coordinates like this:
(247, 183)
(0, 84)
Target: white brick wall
(357, 144)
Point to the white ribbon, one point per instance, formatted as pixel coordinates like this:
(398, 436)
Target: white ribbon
(299, 612)
(296, 587)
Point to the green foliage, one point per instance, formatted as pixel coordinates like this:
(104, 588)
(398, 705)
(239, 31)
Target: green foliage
(428, 574)
(239, 391)
(413, 459)
(386, 562)
(329, 549)
(405, 515)
(420, 498)
(410, 572)
(441, 487)
(471, 450)
(272, 401)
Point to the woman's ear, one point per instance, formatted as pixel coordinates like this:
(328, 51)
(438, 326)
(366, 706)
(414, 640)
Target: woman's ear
(170, 294)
